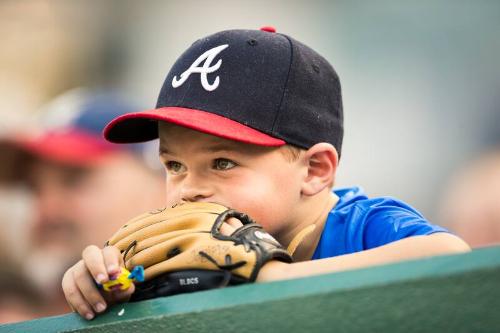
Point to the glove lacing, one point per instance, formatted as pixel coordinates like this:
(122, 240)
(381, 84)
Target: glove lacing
(227, 267)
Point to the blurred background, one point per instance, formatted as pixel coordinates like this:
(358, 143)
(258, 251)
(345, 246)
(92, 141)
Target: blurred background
(420, 80)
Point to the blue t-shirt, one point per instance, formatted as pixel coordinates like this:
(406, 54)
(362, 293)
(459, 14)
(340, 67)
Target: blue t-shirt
(358, 223)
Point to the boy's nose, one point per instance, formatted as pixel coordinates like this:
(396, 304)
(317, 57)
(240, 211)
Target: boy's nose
(191, 198)
(194, 191)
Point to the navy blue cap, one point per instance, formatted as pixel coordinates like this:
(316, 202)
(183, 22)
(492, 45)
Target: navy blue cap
(253, 86)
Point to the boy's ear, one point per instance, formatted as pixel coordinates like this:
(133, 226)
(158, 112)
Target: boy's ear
(321, 161)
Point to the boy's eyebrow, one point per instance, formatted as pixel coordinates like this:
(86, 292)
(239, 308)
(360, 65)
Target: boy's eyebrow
(210, 149)
(221, 147)
(163, 150)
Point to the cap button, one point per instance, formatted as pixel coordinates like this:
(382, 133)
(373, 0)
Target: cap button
(268, 29)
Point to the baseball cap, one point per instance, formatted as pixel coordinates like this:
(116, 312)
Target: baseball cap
(69, 129)
(253, 86)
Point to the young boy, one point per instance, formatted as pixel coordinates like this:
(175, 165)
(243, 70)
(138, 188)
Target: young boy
(253, 120)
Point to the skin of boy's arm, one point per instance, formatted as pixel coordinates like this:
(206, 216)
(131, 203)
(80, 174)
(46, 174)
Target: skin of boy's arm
(406, 249)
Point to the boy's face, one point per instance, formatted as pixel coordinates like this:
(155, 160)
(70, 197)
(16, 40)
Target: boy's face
(256, 180)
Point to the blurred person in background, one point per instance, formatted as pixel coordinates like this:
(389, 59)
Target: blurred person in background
(471, 204)
(19, 300)
(83, 187)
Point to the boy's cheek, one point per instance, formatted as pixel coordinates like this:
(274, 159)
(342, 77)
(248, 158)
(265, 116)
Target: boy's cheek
(256, 197)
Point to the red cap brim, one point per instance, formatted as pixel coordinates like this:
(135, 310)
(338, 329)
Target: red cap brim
(68, 147)
(142, 126)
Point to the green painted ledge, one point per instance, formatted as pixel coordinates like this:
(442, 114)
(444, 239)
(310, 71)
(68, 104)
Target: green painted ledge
(458, 293)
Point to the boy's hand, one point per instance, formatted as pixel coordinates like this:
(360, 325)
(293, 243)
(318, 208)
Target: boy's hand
(79, 281)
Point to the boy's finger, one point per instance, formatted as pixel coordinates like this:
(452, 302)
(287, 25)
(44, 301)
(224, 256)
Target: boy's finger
(73, 295)
(234, 222)
(112, 260)
(88, 289)
(226, 229)
(93, 259)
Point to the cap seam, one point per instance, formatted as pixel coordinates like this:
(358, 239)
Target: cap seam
(286, 83)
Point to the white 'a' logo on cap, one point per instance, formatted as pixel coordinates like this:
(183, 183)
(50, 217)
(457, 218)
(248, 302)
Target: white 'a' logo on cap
(208, 57)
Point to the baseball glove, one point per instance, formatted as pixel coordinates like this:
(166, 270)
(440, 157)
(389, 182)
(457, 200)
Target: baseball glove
(182, 250)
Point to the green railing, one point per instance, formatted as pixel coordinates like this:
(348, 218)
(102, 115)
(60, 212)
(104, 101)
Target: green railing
(458, 293)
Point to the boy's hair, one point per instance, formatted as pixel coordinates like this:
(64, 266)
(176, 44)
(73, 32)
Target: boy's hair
(252, 86)
(291, 153)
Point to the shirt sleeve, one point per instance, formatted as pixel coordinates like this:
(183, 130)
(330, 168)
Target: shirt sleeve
(393, 220)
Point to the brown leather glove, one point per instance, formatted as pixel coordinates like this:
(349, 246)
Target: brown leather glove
(182, 250)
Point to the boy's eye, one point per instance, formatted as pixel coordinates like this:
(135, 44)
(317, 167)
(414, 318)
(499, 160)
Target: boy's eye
(175, 167)
(223, 164)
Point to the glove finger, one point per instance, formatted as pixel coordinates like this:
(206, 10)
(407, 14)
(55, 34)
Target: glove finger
(217, 254)
(163, 251)
(138, 223)
(190, 222)
(227, 229)
(152, 241)
(234, 222)
(180, 213)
